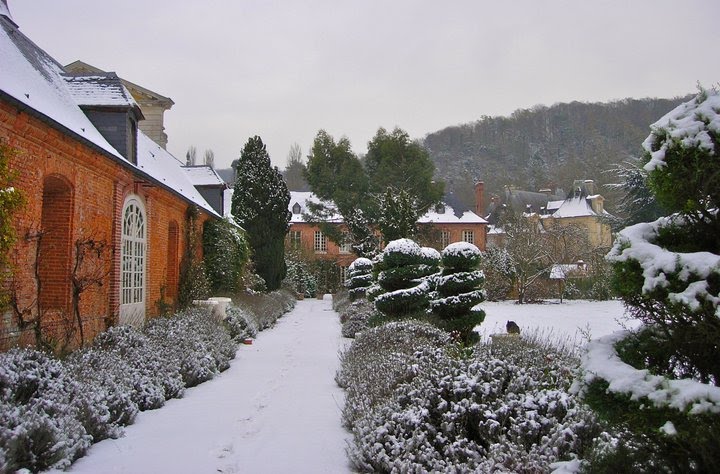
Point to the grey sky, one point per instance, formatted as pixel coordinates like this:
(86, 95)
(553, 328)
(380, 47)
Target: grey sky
(285, 69)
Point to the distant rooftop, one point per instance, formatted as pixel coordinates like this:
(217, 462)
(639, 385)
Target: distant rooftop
(203, 175)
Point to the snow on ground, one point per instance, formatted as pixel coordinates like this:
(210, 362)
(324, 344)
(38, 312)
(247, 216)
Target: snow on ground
(276, 409)
(568, 321)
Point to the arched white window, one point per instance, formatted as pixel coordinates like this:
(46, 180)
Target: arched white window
(133, 263)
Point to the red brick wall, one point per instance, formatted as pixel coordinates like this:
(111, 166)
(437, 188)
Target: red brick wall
(99, 188)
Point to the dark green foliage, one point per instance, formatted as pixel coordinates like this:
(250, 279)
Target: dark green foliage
(226, 252)
(398, 212)
(644, 446)
(300, 274)
(11, 199)
(194, 283)
(400, 275)
(458, 291)
(260, 206)
(637, 202)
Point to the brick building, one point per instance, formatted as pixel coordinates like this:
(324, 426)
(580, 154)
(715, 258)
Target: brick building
(446, 223)
(102, 233)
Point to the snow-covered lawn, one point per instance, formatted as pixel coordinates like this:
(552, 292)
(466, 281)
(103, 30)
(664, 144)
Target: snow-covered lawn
(277, 409)
(570, 320)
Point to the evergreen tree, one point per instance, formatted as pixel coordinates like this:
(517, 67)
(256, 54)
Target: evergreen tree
(260, 205)
(394, 161)
(668, 274)
(397, 215)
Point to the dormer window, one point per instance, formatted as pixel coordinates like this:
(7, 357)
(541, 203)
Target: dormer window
(296, 209)
(440, 208)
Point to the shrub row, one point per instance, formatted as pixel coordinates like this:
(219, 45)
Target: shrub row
(51, 411)
(417, 403)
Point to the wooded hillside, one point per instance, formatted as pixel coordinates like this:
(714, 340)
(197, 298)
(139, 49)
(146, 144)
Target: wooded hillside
(544, 147)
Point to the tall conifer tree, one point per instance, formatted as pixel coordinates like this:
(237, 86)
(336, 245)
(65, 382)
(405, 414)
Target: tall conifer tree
(260, 205)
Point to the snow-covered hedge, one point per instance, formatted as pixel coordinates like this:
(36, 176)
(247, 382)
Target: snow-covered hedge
(356, 316)
(266, 308)
(417, 405)
(51, 411)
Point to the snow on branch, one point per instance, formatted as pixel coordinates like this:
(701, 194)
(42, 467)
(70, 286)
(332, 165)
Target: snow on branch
(602, 362)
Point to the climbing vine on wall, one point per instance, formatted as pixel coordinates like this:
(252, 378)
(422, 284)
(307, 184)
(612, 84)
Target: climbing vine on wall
(11, 199)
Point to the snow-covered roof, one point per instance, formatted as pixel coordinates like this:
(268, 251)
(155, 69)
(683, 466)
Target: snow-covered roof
(34, 79)
(553, 206)
(577, 206)
(105, 90)
(4, 11)
(299, 202)
(203, 175)
(161, 165)
(450, 216)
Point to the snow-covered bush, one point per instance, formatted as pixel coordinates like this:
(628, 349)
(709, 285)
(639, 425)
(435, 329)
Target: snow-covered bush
(239, 324)
(356, 316)
(266, 308)
(458, 291)
(359, 277)
(662, 381)
(300, 275)
(402, 269)
(379, 359)
(506, 409)
(40, 419)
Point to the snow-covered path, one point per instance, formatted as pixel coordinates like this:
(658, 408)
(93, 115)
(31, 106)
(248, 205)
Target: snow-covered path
(276, 410)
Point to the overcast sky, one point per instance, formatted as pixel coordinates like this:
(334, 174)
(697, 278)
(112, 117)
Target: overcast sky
(286, 69)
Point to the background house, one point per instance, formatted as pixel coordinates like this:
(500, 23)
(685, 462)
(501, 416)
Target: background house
(102, 233)
(442, 225)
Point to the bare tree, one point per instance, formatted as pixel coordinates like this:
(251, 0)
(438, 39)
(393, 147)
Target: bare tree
(294, 173)
(210, 158)
(191, 156)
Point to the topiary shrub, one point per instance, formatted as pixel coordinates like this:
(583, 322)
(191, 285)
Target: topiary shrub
(458, 291)
(662, 382)
(402, 269)
(359, 278)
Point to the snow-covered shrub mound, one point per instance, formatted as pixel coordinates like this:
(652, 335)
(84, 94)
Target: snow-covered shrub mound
(359, 277)
(458, 291)
(355, 317)
(379, 359)
(193, 344)
(507, 409)
(239, 324)
(40, 419)
(266, 308)
(402, 272)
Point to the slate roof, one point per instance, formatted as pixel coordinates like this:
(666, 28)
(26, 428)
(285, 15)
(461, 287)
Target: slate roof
(204, 175)
(102, 90)
(34, 82)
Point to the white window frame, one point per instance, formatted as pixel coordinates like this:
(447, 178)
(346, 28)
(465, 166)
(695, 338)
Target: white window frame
(320, 242)
(346, 246)
(133, 262)
(444, 238)
(295, 239)
(468, 236)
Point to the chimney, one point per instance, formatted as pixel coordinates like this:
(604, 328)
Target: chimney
(589, 187)
(480, 198)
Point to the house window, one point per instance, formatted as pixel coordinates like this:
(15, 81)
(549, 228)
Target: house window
(468, 236)
(440, 208)
(343, 274)
(320, 242)
(55, 253)
(346, 245)
(133, 249)
(444, 238)
(296, 209)
(295, 239)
